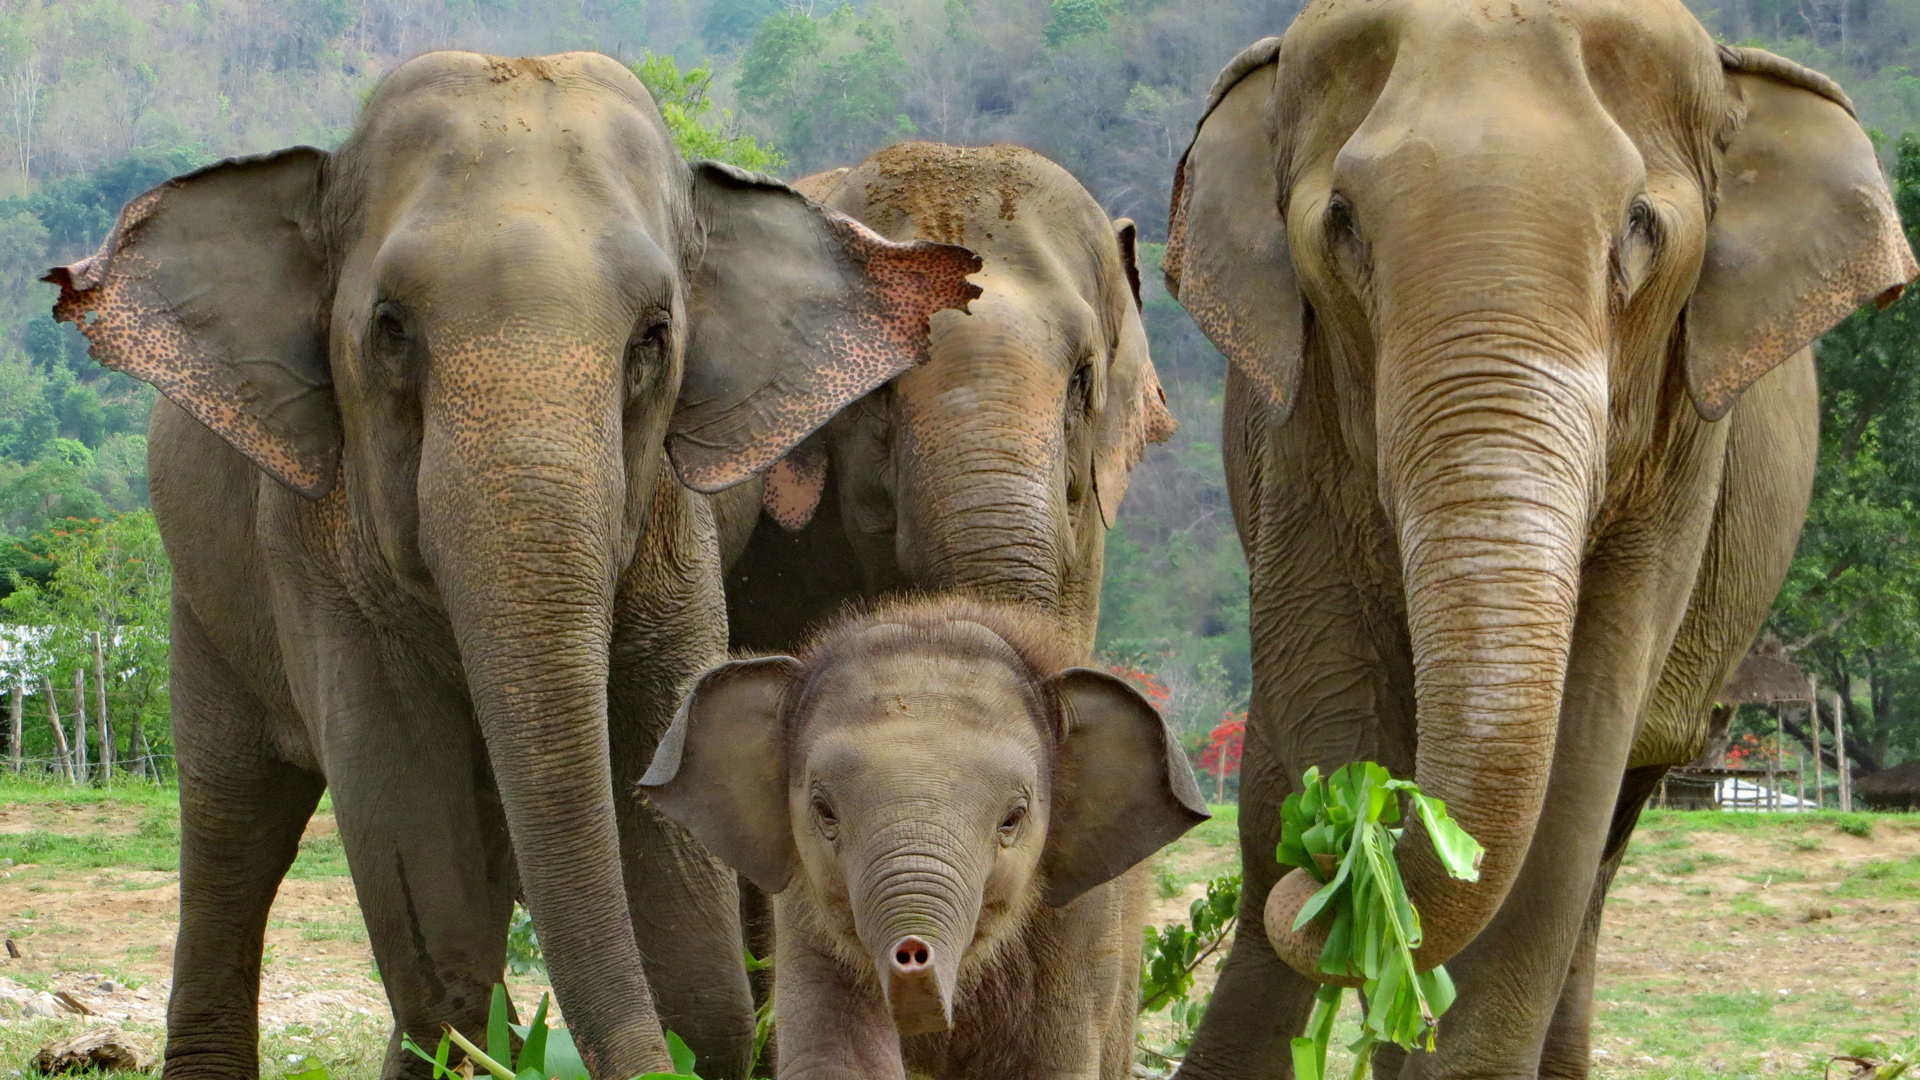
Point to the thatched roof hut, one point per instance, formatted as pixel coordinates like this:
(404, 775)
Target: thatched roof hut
(1766, 676)
(1897, 788)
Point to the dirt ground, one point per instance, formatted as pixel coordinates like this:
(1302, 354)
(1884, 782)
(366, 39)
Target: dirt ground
(1730, 947)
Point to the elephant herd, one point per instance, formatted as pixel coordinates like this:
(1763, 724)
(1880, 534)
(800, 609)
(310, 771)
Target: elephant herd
(485, 436)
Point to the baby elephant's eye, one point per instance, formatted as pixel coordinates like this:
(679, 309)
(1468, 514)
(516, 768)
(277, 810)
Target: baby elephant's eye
(824, 818)
(1011, 824)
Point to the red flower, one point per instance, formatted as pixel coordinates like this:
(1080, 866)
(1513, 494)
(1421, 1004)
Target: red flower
(1224, 743)
(1149, 687)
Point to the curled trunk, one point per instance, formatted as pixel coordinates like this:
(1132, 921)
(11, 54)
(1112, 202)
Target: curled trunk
(1490, 475)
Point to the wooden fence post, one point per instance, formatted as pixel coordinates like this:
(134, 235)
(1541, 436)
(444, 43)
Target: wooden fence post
(1819, 768)
(80, 725)
(107, 749)
(1840, 755)
(64, 760)
(17, 723)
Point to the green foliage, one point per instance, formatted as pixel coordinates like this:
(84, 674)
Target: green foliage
(1860, 825)
(697, 132)
(109, 578)
(1172, 955)
(523, 945)
(545, 1054)
(831, 87)
(1336, 829)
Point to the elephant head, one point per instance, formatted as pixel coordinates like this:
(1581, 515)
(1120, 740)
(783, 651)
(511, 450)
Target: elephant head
(1506, 253)
(996, 467)
(930, 772)
(472, 334)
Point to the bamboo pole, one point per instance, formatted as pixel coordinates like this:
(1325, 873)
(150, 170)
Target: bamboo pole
(1778, 765)
(64, 760)
(1840, 755)
(107, 749)
(80, 724)
(17, 723)
(1819, 767)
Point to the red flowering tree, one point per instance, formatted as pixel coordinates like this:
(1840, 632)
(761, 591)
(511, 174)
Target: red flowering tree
(1222, 754)
(1150, 688)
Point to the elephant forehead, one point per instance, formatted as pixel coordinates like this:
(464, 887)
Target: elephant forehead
(921, 687)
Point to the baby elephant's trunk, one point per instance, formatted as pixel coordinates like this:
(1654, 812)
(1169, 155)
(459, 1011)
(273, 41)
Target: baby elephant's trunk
(918, 992)
(915, 910)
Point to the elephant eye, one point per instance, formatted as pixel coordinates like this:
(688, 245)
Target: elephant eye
(1010, 825)
(651, 345)
(389, 332)
(1340, 223)
(824, 818)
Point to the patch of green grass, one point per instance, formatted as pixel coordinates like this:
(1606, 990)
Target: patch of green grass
(1881, 878)
(320, 857)
(1776, 876)
(1860, 825)
(93, 851)
(1679, 867)
(1801, 843)
(351, 1046)
(338, 931)
(1687, 821)
(25, 790)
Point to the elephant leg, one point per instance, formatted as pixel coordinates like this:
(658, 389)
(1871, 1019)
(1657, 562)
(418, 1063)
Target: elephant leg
(685, 904)
(426, 839)
(1568, 1050)
(241, 815)
(1259, 1003)
(1322, 695)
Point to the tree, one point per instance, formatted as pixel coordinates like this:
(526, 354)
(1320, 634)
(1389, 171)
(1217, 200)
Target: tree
(110, 578)
(697, 133)
(1850, 608)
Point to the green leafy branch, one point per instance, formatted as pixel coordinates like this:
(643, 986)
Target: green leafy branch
(1336, 828)
(544, 1054)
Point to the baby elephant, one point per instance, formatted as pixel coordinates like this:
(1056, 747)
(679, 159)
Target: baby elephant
(961, 808)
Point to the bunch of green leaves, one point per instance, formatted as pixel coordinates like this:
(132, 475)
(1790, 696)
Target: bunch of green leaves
(1175, 951)
(1337, 828)
(1173, 954)
(523, 944)
(544, 1054)
(698, 132)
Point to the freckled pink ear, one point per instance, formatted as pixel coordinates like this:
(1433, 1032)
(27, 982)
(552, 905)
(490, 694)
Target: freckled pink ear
(790, 491)
(211, 288)
(796, 310)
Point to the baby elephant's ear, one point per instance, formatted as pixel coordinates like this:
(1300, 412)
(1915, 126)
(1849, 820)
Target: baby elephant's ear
(1122, 791)
(795, 311)
(721, 769)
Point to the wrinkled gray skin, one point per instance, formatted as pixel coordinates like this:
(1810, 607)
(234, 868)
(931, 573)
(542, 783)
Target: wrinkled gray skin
(410, 479)
(1520, 429)
(948, 821)
(996, 467)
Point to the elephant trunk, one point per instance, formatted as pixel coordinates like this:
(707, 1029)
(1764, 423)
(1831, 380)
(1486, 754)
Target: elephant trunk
(522, 508)
(1491, 459)
(915, 910)
(981, 470)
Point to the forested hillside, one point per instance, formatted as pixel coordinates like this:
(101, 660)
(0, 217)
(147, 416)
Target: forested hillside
(100, 99)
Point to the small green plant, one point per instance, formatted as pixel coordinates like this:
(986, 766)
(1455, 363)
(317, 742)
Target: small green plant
(1860, 825)
(523, 945)
(1172, 955)
(545, 1054)
(1165, 881)
(1336, 828)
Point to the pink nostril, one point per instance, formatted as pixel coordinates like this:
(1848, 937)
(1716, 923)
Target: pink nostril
(911, 954)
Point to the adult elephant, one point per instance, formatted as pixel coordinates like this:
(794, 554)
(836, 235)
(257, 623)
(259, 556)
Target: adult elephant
(410, 477)
(997, 466)
(1521, 425)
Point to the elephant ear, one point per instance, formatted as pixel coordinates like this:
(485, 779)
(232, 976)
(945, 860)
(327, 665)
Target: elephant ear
(1227, 258)
(1122, 788)
(1134, 412)
(796, 311)
(721, 769)
(213, 288)
(1804, 232)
